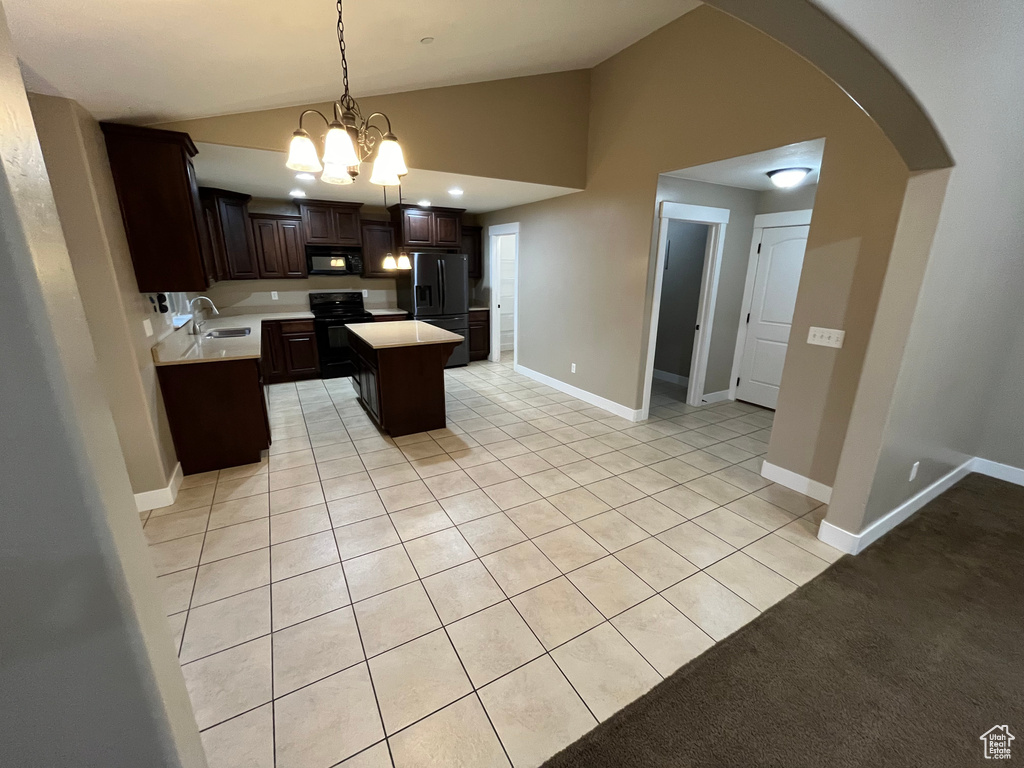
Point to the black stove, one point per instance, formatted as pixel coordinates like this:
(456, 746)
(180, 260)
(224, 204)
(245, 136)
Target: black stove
(332, 311)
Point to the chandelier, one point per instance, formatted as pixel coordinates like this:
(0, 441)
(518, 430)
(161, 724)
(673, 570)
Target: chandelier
(350, 140)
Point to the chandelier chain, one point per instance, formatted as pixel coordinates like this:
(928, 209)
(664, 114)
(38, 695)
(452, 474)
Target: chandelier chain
(344, 60)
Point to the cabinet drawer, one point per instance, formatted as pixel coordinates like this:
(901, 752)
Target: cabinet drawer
(297, 326)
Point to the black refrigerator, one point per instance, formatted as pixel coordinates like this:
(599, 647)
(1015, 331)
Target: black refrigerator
(436, 291)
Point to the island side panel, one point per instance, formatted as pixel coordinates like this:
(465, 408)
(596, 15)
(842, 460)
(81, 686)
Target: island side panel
(412, 387)
(216, 412)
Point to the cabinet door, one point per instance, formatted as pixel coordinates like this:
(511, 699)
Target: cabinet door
(300, 357)
(417, 227)
(212, 242)
(267, 247)
(236, 231)
(318, 224)
(479, 335)
(292, 252)
(272, 354)
(156, 191)
(368, 389)
(447, 230)
(472, 246)
(346, 226)
(378, 242)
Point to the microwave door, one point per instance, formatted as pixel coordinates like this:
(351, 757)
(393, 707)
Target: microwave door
(427, 288)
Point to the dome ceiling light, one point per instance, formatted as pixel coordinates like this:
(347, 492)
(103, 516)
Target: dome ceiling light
(787, 178)
(350, 140)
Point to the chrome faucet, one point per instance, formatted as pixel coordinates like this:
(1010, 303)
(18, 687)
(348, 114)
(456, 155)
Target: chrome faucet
(196, 328)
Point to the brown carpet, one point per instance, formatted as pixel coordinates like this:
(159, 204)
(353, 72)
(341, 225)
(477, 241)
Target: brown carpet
(901, 656)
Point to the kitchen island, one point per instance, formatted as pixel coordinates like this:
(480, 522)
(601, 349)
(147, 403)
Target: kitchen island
(400, 373)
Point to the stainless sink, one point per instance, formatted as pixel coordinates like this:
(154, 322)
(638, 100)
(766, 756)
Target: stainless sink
(228, 333)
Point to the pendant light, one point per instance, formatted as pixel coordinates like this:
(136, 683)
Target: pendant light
(350, 140)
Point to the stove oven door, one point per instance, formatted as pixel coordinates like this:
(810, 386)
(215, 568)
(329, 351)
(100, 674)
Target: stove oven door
(336, 357)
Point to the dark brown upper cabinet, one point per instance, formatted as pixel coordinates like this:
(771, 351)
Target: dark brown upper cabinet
(159, 199)
(417, 227)
(226, 218)
(278, 247)
(327, 223)
(447, 229)
(472, 246)
(378, 242)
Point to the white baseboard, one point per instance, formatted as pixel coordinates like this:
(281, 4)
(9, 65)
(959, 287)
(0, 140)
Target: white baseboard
(715, 397)
(798, 483)
(999, 471)
(854, 543)
(588, 397)
(671, 378)
(161, 497)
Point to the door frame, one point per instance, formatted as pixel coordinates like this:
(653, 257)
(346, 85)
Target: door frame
(762, 222)
(494, 231)
(716, 220)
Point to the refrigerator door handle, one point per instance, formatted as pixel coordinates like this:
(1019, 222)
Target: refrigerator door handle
(443, 275)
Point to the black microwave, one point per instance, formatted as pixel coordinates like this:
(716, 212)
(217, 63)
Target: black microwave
(333, 260)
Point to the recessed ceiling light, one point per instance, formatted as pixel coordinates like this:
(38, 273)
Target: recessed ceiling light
(426, 40)
(305, 177)
(298, 193)
(424, 203)
(455, 191)
(786, 178)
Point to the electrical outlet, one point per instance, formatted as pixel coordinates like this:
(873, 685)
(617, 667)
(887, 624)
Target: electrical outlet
(366, 293)
(273, 295)
(826, 337)
(913, 470)
(147, 326)
(572, 368)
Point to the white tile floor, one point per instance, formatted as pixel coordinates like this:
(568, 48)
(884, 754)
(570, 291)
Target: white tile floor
(477, 596)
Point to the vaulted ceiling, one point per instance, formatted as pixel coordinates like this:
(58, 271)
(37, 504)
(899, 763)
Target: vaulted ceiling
(147, 61)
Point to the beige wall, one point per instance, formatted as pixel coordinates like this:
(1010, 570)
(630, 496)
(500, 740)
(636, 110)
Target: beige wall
(83, 188)
(959, 387)
(240, 296)
(89, 672)
(599, 240)
(524, 129)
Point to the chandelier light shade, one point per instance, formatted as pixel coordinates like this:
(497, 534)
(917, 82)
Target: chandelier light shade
(403, 261)
(336, 174)
(302, 153)
(350, 140)
(389, 262)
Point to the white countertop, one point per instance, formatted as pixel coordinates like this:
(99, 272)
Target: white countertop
(387, 311)
(181, 347)
(402, 333)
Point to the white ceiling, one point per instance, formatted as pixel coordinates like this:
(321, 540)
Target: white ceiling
(150, 61)
(261, 173)
(749, 171)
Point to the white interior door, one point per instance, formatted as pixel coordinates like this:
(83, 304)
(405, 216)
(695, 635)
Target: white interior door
(776, 280)
(507, 290)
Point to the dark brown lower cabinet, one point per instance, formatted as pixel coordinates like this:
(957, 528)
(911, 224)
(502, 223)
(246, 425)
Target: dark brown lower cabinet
(217, 413)
(479, 334)
(402, 388)
(289, 350)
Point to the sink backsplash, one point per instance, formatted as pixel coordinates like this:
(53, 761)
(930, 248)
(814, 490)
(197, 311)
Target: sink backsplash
(240, 296)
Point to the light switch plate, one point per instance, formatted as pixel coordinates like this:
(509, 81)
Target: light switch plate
(826, 337)
(147, 326)
(273, 295)
(365, 293)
